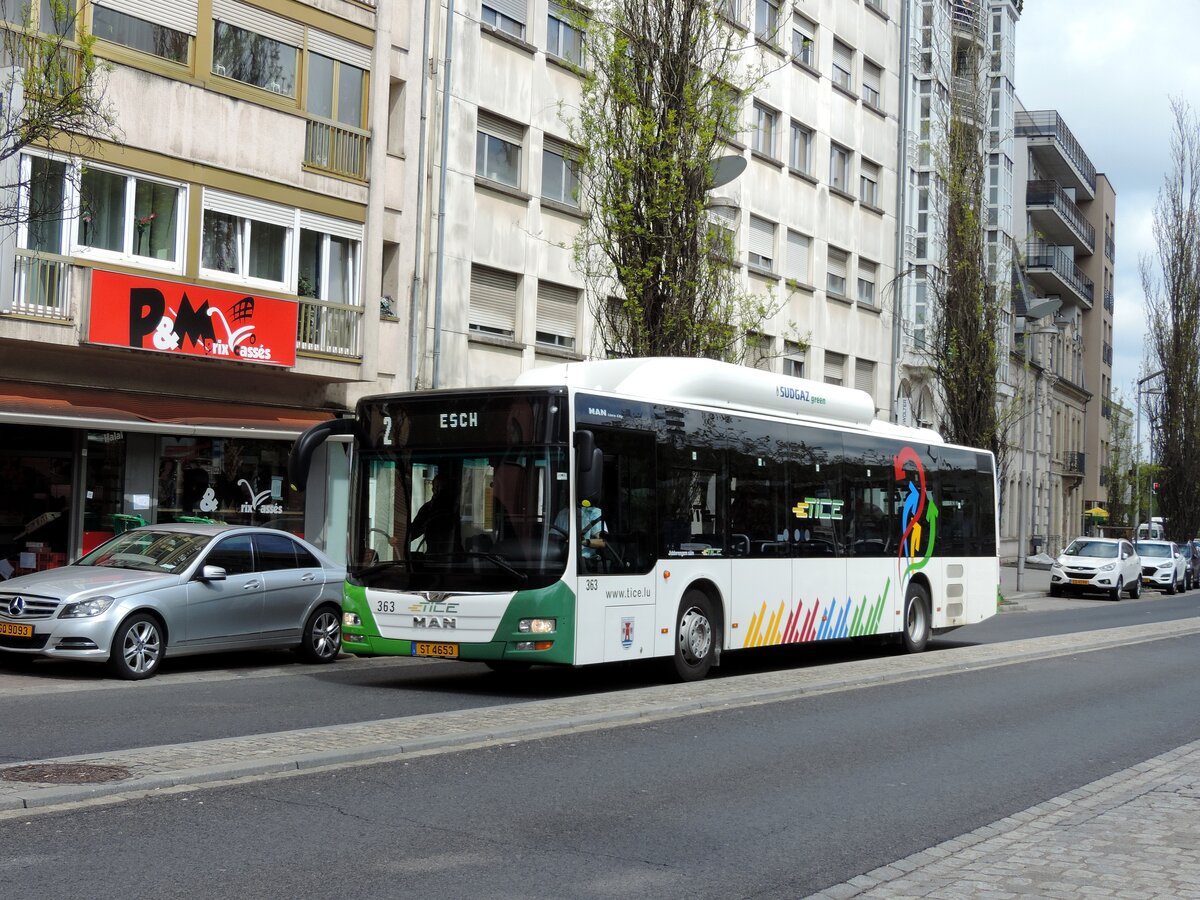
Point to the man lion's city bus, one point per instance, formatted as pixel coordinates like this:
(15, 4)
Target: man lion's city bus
(638, 508)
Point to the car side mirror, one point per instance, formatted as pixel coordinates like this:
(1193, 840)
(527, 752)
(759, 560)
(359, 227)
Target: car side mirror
(212, 573)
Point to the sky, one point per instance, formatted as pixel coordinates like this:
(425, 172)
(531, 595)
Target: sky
(1111, 68)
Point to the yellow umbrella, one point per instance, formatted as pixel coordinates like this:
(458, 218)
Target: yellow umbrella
(1097, 512)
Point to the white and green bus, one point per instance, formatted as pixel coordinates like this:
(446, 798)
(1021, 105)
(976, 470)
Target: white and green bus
(632, 509)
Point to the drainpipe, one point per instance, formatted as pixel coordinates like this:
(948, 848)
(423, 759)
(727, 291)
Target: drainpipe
(901, 194)
(414, 315)
(441, 239)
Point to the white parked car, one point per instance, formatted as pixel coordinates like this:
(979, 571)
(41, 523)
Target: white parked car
(1111, 565)
(1163, 565)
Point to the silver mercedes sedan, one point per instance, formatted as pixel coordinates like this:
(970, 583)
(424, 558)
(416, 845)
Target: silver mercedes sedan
(178, 590)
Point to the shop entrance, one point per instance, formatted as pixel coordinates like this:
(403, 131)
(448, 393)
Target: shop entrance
(37, 469)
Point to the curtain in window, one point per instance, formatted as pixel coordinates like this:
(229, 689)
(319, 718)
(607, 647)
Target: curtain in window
(47, 187)
(155, 219)
(268, 244)
(221, 246)
(102, 210)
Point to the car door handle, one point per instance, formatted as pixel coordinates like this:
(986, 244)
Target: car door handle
(308, 576)
(250, 586)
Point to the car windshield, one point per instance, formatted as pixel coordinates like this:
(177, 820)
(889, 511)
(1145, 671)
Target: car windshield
(148, 551)
(1098, 549)
(1146, 549)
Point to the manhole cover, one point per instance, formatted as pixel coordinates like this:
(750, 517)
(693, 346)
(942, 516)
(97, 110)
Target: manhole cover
(57, 773)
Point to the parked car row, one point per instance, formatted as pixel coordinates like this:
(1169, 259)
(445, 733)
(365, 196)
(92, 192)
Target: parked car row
(1115, 566)
(178, 590)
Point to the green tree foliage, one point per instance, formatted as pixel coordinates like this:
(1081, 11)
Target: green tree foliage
(51, 89)
(1171, 283)
(661, 96)
(1118, 472)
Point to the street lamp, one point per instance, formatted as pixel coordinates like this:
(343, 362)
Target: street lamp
(1047, 307)
(1137, 469)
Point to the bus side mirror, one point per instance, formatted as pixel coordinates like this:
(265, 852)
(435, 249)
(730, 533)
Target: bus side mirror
(300, 457)
(589, 467)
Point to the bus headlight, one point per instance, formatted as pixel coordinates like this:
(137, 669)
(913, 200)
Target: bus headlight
(537, 626)
(351, 619)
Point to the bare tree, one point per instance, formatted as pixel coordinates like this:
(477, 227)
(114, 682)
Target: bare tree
(51, 94)
(661, 97)
(1171, 283)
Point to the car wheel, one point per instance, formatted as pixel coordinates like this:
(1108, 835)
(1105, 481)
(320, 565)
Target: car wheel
(917, 622)
(137, 648)
(1115, 593)
(322, 641)
(1056, 590)
(1135, 589)
(695, 637)
(1171, 587)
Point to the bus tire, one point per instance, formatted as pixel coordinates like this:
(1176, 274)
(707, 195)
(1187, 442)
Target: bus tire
(695, 637)
(917, 620)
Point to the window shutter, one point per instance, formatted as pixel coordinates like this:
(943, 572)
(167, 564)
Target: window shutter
(864, 376)
(762, 237)
(339, 49)
(501, 128)
(249, 208)
(514, 9)
(177, 14)
(557, 309)
(835, 367)
(494, 299)
(843, 56)
(837, 263)
(871, 74)
(336, 227)
(797, 256)
(554, 145)
(259, 21)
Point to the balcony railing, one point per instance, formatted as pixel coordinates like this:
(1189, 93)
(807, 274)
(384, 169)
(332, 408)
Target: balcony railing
(41, 286)
(1071, 462)
(330, 329)
(1107, 353)
(1108, 300)
(1060, 260)
(968, 15)
(1049, 124)
(52, 67)
(1050, 194)
(336, 148)
(1110, 247)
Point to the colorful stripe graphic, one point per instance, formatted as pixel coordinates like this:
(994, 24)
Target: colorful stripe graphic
(770, 628)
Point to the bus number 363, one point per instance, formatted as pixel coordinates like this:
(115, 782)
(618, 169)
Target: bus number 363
(385, 606)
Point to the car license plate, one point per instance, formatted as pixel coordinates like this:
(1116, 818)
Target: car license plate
(445, 651)
(1080, 581)
(16, 630)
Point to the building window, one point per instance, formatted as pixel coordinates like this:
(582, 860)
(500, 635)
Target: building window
(335, 90)
(868, 183)
(758, 352)
(843, 66)
(557, 315)
(866, 282)
(804, 41)
(40, 15)
(505, 15)
(764, 130)
(722, 231)
(131, 216)
(564, 39)
(835, 367)
(871, 83)
(762, 244)
(246, 240)
(731, 9)
(793, 359)
(254, 59)
(493, 302)
(800, 149)
(329, 274)
(498, 150)
(835, 273)
(766, 19)
(139, 34)
(799, 247)
(864, 376)
(839, 168)
(560, 172)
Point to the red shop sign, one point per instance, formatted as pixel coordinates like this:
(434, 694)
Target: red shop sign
(168, 317)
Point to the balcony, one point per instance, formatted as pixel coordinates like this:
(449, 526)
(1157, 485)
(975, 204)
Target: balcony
(1057, 152)
(1071, 463)
(336, 148)
(1110, 247)
(1053, 269)
(1055, 215)
(329, 329)
(41, 286)
(968, 19)
(1108, 300)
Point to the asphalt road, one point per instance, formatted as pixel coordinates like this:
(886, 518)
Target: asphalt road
(776, 800)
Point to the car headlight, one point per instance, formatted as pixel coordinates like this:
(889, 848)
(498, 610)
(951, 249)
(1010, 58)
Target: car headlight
(1108, 568)
(1162, 567)
(85, 609)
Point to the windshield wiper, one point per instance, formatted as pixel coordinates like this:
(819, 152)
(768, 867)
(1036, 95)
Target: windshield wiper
(499, 561)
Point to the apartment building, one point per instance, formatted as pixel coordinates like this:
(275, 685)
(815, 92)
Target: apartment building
(1067, 239)
(177, 305)
(812, 216)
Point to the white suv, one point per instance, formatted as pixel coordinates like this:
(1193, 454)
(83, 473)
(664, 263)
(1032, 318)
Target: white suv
(1163, 565)
(1111, 565)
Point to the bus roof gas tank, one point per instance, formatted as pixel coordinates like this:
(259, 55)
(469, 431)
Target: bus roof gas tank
(708, 382)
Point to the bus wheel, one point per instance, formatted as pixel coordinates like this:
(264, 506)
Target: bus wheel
(916, 619)
(695, 637)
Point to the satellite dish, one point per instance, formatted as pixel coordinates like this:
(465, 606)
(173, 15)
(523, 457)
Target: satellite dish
(727, 168)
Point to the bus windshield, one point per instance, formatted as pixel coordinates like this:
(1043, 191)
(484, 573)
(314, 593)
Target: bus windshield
(462, 508)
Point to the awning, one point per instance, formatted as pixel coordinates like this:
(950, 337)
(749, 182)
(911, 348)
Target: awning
(103, 410)
(1097, 512)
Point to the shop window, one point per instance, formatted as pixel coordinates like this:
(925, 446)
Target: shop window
(36, 467)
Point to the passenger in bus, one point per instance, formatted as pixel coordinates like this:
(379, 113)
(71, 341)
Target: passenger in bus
(437, 520)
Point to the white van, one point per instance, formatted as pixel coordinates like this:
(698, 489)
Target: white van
(1151, 531)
